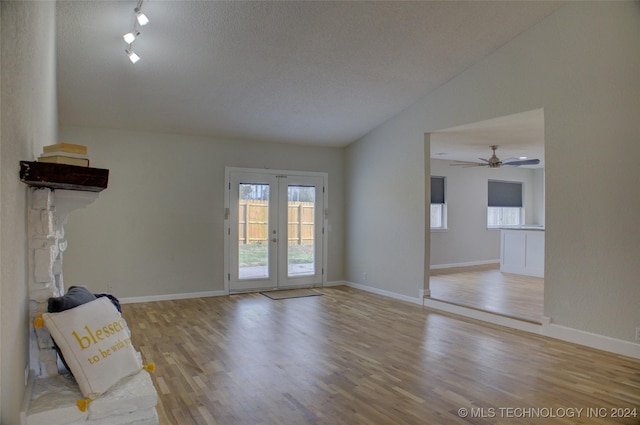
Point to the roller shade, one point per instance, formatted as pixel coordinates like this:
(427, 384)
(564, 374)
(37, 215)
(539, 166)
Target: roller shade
(437, 190)
(504, 194)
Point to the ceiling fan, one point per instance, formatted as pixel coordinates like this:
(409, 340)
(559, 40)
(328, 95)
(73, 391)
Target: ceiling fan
(495, 162)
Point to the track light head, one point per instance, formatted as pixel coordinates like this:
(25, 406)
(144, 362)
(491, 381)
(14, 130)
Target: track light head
(141, 17)
(130, 36)
(132, 55)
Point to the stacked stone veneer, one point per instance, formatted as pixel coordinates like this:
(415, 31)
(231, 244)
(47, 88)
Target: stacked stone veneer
(48, 212)
(51, 398)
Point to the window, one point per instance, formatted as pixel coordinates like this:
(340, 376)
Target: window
(438, 205)
(503, 216)
(504, 204)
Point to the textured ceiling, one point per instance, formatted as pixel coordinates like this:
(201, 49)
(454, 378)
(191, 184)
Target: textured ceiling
(306, 72)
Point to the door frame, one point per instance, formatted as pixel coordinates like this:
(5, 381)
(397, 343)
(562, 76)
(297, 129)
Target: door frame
(227, 216)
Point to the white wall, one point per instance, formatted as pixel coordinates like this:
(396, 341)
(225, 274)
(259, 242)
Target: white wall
(29, 118)
(467, 239)
(158, 229)
(536, 215)
(582, 65)
(385, 230)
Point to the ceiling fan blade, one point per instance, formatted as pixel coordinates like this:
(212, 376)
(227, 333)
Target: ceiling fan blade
(467, 164)
(485, 160)
(524, 162)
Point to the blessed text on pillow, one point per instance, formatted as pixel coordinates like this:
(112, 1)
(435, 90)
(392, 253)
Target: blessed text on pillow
(96, 344)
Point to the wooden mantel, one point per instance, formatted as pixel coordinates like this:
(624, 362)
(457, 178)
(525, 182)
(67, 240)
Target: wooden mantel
(62, 176)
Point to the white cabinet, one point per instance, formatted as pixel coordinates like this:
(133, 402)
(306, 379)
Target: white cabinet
(522, 252)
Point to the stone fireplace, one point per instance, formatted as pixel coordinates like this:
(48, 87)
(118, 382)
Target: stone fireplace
(48, 213)
(51, 395)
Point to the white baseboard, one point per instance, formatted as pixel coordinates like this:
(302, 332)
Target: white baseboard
(467, 264)
(384, 293)
(589, 339)
(169, 297)
(483, 316)
(335, 283)
(548, 329)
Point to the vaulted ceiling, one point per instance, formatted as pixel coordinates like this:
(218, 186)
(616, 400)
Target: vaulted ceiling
(306, 72)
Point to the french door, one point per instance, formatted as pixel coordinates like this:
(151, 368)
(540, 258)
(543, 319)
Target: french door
(275, 230)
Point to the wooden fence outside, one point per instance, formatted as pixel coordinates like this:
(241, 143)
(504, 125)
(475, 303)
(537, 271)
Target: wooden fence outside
(253, 222)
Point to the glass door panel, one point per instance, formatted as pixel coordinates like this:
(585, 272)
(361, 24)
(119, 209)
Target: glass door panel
(303, 221)
(252, 236)
(301, 230)
(253, 231)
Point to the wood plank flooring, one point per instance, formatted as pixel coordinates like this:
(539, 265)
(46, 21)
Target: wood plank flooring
(486, 288)
(351, 357)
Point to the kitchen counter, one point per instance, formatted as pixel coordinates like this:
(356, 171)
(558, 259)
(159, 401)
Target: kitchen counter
(522, 250)
(524, 227)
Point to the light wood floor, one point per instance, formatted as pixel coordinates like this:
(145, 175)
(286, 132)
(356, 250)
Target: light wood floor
(486, 288)
(351, 357)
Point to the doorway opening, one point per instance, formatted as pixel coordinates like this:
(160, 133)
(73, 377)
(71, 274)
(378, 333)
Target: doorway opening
(466, 254)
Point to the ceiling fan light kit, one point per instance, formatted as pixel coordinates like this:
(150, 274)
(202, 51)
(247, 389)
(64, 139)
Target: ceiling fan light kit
(495, 162)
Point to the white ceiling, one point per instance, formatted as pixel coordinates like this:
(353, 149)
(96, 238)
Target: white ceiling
(517, 135)
(306, 72)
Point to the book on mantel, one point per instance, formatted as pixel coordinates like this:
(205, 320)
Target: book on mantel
(65, 153)
(66, 147)
(63, 159)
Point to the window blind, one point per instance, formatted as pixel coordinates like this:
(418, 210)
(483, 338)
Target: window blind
(437, 190)
(504, 194)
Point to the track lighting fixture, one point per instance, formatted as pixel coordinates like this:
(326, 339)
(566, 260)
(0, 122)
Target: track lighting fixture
(139, 19)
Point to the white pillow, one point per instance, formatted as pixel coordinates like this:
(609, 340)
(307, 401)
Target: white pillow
(96, 344)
